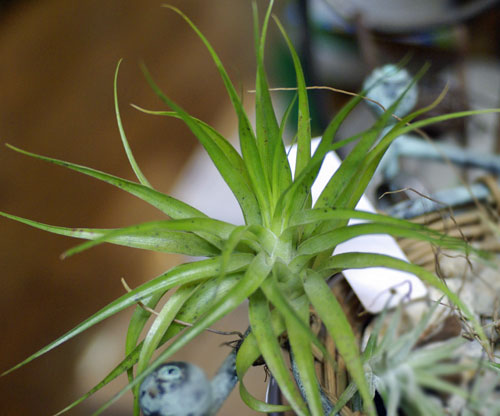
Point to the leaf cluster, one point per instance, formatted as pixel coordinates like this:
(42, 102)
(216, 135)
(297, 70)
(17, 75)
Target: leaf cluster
(279, 261)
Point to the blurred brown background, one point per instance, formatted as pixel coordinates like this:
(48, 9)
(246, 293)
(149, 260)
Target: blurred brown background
(57, 64)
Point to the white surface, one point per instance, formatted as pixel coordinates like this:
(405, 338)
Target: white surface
(202, 187)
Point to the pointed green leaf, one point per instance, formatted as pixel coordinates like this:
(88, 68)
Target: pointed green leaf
(126, 146)
(161, 324)
(122, 367)
(173, 236)
(337, 192)
(235, 238)
(304, 122)
(135, 328)
(138, 321)
(156, 236)
(255, 274)
(348, 170)
(251, 155)
(316, 216)
(303, 356)
(269, 135)
(338, 326)
(301, 197)
(179, 275)
(260, 321)
(170, 206)
(245, 196)
(248, 353)
(287, 306)
(196, 305)
(365, 260)
(291, 199)
(367, 169)
(329, 240)
(437, 119)
(345, 188)
(224, 145)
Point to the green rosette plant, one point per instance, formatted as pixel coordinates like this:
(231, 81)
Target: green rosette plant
(279, 260)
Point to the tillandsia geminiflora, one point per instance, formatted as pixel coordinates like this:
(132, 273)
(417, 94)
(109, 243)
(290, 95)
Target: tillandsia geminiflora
(279, 260)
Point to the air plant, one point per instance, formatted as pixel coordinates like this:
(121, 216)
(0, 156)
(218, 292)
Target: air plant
(279, 260)
(404, 372)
